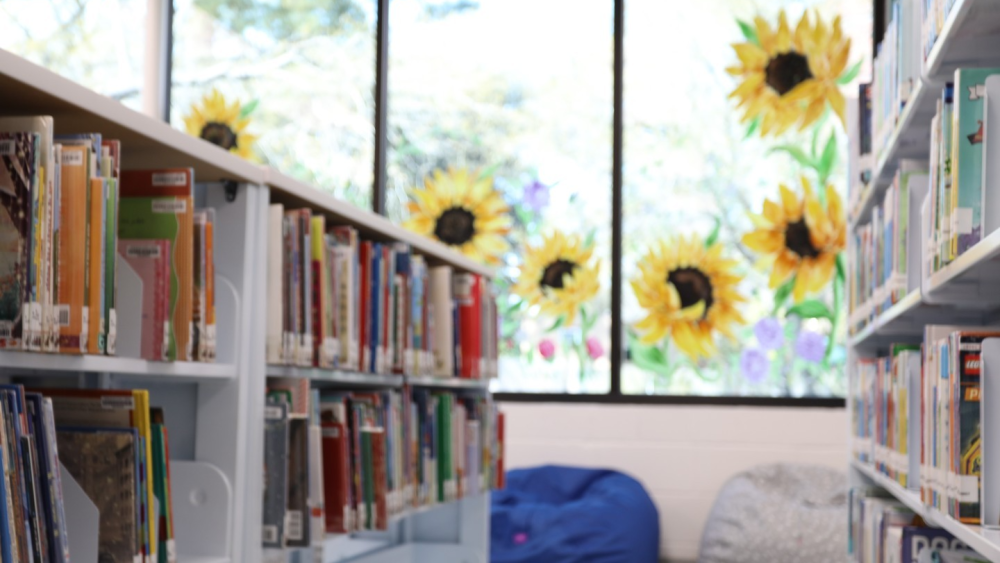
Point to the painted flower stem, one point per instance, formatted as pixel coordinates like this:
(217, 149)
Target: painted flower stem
(838, 289)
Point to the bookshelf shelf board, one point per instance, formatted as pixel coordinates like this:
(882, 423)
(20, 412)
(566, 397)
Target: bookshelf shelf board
(985, 541)
(336, 376)
(969, 37)
(184, 559)
(294, 193)
(897, 320)
(908, 140)
(14, 362)
(448, 382)
(28, 89)
(971, 278)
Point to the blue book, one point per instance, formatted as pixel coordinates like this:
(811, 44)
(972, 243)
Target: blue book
(918, 538)
(967, 158)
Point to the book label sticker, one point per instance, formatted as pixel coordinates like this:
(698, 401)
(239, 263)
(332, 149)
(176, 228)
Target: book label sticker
(112, 332)
(142, 251)
(169, 179)
(72, 158)
(272, 413)
(169, 206)
(269, 534)
(293, 525)
(7, 147)
(117, 403)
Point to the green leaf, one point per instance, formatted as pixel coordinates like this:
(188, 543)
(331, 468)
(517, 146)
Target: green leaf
(752, 128)
(782, 293)
(589, 241)
(714, 235)
(246, 110)
(749, 32)
(647, 357)
(797, 153)
(587, 321)
(489, 171)
(811, 309)
(559, 322)
(827, 159)
(850, 75)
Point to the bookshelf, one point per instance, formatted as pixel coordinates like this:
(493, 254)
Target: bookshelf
(963, 292)
(215, 412)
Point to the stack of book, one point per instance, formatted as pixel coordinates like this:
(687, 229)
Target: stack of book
(337, 462)
(337, 301)
(882, 529)
(112, 444)
(921, 410)
(66, 212)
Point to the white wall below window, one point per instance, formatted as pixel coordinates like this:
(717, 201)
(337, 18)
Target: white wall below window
(682, 454)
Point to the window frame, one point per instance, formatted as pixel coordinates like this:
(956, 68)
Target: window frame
(617, 352)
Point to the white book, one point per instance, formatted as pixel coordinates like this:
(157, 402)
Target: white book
(441, 304)
(275, 285)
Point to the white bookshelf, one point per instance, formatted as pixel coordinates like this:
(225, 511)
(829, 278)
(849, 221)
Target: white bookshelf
(214, 412)
(965, 292)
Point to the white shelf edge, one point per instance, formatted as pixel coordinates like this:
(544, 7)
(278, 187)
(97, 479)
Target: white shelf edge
(911, 300)
(985, 541)
(194, 559)
(88, 102)
(368, 221)
(952, 22)
(448, 382)
(17, 361)
(983, 250)
(334, 375)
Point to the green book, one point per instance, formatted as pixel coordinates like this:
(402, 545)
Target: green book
(444, 473)
(967, 158)
(368, 481)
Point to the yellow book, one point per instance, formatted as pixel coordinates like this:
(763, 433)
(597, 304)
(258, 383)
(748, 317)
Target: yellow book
(322, 312)
(145, 427)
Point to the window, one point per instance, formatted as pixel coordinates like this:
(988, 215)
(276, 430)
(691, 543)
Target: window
(691, 169)
(303, 74)
(483, 90)
(96, 43)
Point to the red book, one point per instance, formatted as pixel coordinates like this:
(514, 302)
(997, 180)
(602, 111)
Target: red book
(336, 477)
(387, 279)
(379, 470)
(501, 477)
(317, 260)
(468, 296)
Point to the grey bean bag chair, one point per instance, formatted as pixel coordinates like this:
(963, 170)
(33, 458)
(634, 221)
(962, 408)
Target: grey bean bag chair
(779, 513)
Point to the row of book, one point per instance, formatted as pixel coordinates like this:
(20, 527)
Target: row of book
(338, 301)
(934, 13)
(883, 530)
(67, 211)
(113, 444)
(916, 416)
(861, 158)
(337, 462)
(884, 251)
(896, 69)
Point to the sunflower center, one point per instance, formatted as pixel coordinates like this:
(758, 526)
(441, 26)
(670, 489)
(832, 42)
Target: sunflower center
(219, 134)
(797, 239)
(692, 286)
(786, 71)
(554, 272)
(455, 226)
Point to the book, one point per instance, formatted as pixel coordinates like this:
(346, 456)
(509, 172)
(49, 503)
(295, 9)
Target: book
(150, 260)
(103, 462)
(276, 450)
(336, 466)
(71, 302)
(158, 205)
(276, 346)
(110, 167)
(96, 228)
(17, 180)
(440, 288)
(297, 501)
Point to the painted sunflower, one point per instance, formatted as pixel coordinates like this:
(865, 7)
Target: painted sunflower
(559, 275)
(689, 292)
(788, 76)
(462, 209)
(801, 237)
(221, 123)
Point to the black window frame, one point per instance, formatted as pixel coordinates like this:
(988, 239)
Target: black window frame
(618, 352)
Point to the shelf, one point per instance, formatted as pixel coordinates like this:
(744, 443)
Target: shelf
(15, 363)
(336, 376)
(971, 278)
(985, 541)
(910, 139)
(448, 382)
(28, 89)
(294, 193)
(186, 559)
(970, 36)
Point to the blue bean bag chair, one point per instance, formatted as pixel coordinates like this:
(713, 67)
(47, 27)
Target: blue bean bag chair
(555, 514)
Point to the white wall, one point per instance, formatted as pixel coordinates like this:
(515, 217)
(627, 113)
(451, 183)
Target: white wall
(682, 454)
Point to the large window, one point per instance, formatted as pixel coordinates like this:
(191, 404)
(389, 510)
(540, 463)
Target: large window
(302, 75)
(96, 42)
(483, 91)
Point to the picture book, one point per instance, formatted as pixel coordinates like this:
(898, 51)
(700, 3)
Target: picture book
(71, 301)
(17, 178)
(150, 260)
(158, 204)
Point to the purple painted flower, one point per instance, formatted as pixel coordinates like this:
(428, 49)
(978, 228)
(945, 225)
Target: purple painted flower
(547, 349)
(520, 538)
(754, 364)
(536, 195)
(769, 334)
(810, 346)
(594, 348)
